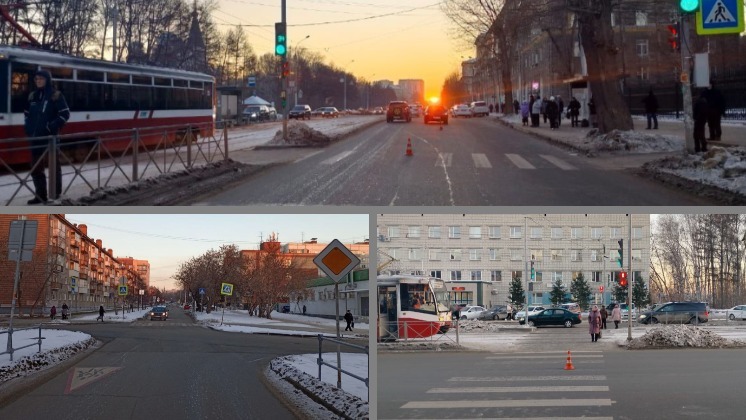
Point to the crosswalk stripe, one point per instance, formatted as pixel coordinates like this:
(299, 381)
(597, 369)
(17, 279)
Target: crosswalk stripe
(559, 163)
(548, 356)
(527, 378)
(334, 159)
(480, 160)
(513, 389)
(444, 159)
(509, 403)
(519, 161)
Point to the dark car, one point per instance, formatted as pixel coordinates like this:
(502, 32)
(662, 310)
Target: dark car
(158, 312)
(676, 313)
(259, 113)
(494, 313)
(552, 316)
(302, 112)
(329, 112)
(437, 113)
(398, 111)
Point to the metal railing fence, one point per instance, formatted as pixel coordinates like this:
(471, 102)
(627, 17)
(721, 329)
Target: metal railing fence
(338, 367)
(10, 349)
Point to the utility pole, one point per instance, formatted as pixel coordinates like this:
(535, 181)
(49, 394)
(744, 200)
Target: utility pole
(630, 279)
(686, 82)
(284, 60)
(115, 19)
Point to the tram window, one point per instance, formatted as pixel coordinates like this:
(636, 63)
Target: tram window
(91, 76)
(21, 79)
(88, 97)
(116, 98)
(118, 78)
(4, 87)
(141, 97)
(160, 81)
(142, 80)
(195, 99)
(181, 83)
(161, 98)
(61, 73)
(195, 84)
(68, 91)
(179, 99)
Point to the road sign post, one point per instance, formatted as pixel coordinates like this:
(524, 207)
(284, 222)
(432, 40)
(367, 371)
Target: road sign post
(21, 243)
(226, 289)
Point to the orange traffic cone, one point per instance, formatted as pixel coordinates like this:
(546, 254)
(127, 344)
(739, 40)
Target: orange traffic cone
(409, 147)
(568, 365)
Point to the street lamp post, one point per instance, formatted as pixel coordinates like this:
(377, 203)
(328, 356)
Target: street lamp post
(344, 81)
(297, 67)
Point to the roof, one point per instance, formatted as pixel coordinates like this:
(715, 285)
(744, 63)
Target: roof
(255, 100)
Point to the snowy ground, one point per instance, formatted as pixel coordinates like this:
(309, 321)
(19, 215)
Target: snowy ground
(351, 400)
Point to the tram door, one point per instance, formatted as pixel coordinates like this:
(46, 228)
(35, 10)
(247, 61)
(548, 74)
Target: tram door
(387, 323)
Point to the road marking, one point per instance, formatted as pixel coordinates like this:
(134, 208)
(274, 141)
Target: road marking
(519, 161)
(82, 376)
(547, 356)
(334, 159)
(509, 403)
(530, 418)
(480, 160)
(559, 163)
(511, 389)
(444, 159)
(527, 378)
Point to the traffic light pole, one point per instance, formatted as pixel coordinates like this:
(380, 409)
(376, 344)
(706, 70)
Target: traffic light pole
(283, 60)
(629, 283)
(686, 82)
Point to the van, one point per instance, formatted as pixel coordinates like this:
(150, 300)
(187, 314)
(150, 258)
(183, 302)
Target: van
(676, 313)
(623, 308)
(571, 306)
(479, 108)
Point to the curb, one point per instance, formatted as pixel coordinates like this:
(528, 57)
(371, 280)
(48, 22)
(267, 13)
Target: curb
(545, 137)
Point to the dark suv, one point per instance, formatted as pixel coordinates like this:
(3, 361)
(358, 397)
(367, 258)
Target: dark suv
(302, 112)
(436, 113)
(676, 313)
(398, 110)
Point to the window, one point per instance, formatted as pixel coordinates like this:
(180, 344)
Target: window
(538, 275)
(596, 276)
(393, 252)
(613, 19)
(636, 233)
(393, 231)
(556, 233)
(576, 233)
(415, 254)
(643, 74)
(493, 254)
(454, 232)
(556, 254)
(576, 255)
(516, 275)
(556, 275)
(537, 254)
(576, 274)
(636, 255)
(436, 273)
(455, 275)
(494, 232)
(433, 232)
(615, 233)
(416, 273)
(576, 49)
(455, 255)
(476, 275)
(413, 232)
(516, 232)
(475, 254)
(641, 18)
(434, 254)
(496, 275)
(597, 232)
(475, 232)
(641, 47)
(516, 254)
(596, 255)
(537, 232)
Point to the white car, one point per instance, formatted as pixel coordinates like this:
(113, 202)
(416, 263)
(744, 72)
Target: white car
(471, 312)
(532, 310)
(737, 312)
(461, 111)
(479, 108)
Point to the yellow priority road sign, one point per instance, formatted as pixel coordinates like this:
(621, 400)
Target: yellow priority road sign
(336, 260)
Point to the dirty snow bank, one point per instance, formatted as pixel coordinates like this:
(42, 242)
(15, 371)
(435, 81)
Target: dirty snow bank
(477, 326)
(40, 361)
(299, 133)
(682, 336)
(630, 141)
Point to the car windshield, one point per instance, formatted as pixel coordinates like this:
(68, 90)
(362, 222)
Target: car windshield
(299, 108)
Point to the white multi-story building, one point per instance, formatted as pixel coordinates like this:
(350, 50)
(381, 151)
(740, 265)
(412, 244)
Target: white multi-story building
(478, 255)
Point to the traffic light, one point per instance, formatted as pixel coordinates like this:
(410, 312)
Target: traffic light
(689, 6)
(281, 39)
(673, 39)
(623, 279)
(620, 260)
(533, 273)
(285, 69)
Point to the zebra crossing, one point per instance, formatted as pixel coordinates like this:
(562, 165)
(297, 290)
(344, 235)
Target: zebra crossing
(481, 161)
(157, 324)
(523, 389)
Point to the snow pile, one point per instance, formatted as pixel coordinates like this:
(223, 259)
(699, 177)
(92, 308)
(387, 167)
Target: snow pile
(681, 336)
(40, 361)
(477, 326)
(336, 400)
(419, 345)
(632, 141)
(299, 133)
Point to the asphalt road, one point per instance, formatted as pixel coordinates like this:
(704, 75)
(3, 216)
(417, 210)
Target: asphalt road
(530, 382)
(164, 370)
(469, 162)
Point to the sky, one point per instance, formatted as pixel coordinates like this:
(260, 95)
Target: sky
(168, 240)
(383, 39)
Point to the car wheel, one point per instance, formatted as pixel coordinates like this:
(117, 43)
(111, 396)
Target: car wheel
(463, 318)
(653, 320)
(531, 324)
(732, 317)
(495, 318)
(568, 323)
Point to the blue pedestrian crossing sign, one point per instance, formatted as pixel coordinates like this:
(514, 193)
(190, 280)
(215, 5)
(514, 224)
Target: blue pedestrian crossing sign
(226, 289)
(122, 290)
(720, 17)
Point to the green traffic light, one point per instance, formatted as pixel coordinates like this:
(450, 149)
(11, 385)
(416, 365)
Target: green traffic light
(689, 6)
(280, 49)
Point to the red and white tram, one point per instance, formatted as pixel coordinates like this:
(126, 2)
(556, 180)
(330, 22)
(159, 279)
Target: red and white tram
(104, 96)
(412, 307)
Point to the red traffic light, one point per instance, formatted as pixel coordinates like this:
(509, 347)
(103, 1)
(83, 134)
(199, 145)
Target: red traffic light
(673, 39)
(285, 69)
(623, 278)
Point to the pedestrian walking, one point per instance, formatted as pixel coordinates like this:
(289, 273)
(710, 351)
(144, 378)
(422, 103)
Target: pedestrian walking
(516, 106)
(304, 310)
(701, 113)
(65, 311)
(544, 115)
(592, 112)
(492, 108)
(574, 111)
(524, 113)
(101, 313)
(552, 111)
(53, 312)
(45, 114)
(349, 319)
(594, 324)
(715, 112)
(651, 109)
(604, 315)
(561, 106)
(536, 112)
(616, 316)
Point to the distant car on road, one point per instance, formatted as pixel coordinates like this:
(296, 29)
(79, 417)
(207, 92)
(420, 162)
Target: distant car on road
(436, 112)
(329, 112)
(471, 312)
(496, 312)
(676, 313)
(552, 316)
(398, 110)
(532, 310)
(479, 108)
(302, 112)
(737, 312)
(158, 312)
(187, 306)
(461, 110)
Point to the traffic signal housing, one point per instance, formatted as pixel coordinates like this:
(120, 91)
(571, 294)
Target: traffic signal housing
(285, 69)
(674, 37)
(688, 6)
(281, 40)
(623, 279)
(620, 260)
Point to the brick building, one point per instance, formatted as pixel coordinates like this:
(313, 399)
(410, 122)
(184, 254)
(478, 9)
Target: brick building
(67, 267)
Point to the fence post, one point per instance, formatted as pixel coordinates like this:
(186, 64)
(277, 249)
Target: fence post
(225, 140)
(318, 361)
(457, 332)
(52, 165)
(406, 331)
(188, 139)
(39, 338)
(135, 150)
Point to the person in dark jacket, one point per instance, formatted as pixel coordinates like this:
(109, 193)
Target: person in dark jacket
(561, 108)
(100, 313)
(53, 312)
(349, 319)
(716, 111)
(651, 109)
(65, 311)
(45, 114)
(552, 111)
(701, 112)
(574, 110)
(592, 112)
(516, 106)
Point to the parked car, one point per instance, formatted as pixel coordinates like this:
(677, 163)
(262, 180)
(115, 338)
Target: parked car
(302, 112)
(329, 112)
(317, 112)
(378, 110)
(496, 312)
(461, 110)
(158, 312)
(436, 112)
(471, 312)
(415, 110)
(479, 108)
(398, 110)
(552, 316)
(737, 312)
(259, 113)
(677, 313)
(532, 309)
(623, 308)
(571, 306)
(187, 306)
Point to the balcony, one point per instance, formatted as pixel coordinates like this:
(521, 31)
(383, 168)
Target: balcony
(83, 275)
(74, 243)
(55, 285)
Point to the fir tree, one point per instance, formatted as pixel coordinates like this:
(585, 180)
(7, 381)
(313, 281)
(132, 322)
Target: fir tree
(581, 291)
(640, 294)
(517, 296)
(557, 295)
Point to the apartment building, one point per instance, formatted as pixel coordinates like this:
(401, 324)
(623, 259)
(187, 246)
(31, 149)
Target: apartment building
(479, 255)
